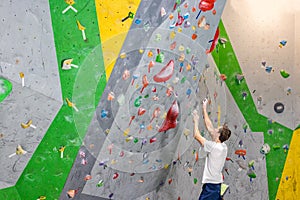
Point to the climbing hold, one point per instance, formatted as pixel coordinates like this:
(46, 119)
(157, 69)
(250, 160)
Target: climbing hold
(188, 92)
(206, 5)
(284, 73)
(173, 45)
(180, 20)
(141, 111)
(155, 113)
(165, 73)
(169, 91)
(171, 118)
(223, 77)
(282, 43)
(87, 177)
(276, 146)
(110, 96)
(188, 50)
(181, 57)
(194, 36)
(158, 37)
(126, 74)
(265, 149)
(186, 24)
(172, 35)
(81, 28)
(251, 174)
(245, 127)
(134, 77)
(278, 107)
(67, 64)
(244, 95)
(162, 12)
(222, 41)
(288, 90)
(181, 48)
(201, 22)
(146, 26)
(239, 78)
(285, 147)
(259, 100)
(144, 82)
(138, 101)
(214, 42)
(195, 180)
(71, 193)
(251, 164)
(142, 126)
(116, 175)
(130, 15)
(152, 140)
(160, 56)
(137, 21)
(104, 113)
(241, 152)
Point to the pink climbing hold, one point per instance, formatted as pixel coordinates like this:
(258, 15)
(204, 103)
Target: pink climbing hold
(171, 118)
(165, 73)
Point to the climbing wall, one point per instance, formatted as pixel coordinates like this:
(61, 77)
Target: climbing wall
(151, 62)
(30, 81)
(266, 56)
(143, 122)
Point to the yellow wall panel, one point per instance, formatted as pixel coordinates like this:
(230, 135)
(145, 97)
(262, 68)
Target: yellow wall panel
(112, 30)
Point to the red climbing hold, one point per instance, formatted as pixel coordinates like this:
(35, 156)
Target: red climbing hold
(170, 121)
(214, 42)
(206, 5)
(116, 175)
(145, 83)
(141, 111)
(165, 73)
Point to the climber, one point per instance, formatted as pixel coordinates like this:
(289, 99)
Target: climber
(216, 155)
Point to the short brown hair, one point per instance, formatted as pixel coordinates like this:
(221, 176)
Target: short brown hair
(225, 133)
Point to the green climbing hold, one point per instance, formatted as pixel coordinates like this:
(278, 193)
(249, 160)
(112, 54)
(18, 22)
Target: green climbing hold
(195, 180)
(5, 88)
(284, 74)
(100, 183)
(135, 140)
(160, 58)
(183, 80)
(276, 146)
(138, 101)
(251, 174)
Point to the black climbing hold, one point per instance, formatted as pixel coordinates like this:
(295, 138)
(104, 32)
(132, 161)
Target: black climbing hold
(278, 107)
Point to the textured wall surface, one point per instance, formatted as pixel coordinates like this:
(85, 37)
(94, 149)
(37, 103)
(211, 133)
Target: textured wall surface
(133, 160)
(26, 46)
(255, 30)
(22, 105)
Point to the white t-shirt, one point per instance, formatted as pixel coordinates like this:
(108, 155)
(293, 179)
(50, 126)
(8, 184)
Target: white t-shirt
(214, 162)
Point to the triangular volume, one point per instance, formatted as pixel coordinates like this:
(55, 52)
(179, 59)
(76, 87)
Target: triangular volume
(224, 189)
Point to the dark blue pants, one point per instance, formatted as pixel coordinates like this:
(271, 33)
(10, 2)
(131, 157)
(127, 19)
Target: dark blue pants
(211, 191)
